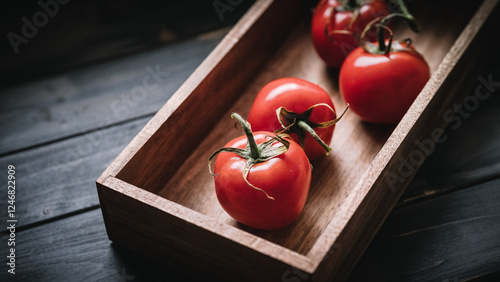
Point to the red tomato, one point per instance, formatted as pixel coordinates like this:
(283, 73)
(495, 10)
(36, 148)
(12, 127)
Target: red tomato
(280, 184)
(297, 96)
(380, 88)
(337, 25)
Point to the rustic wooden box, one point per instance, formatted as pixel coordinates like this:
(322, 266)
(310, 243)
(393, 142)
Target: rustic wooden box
(158, 199)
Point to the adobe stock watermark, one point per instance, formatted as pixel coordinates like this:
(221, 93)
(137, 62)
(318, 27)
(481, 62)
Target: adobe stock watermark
(150, 81)
(223, 6)
(40, 18)
(12, 218)
(453, 116)
(75, 155)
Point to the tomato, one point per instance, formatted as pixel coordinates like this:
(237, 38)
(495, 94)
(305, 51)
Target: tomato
(381, 80)
(304, 105)
(337, 26)
(269, 193)
(381, 88)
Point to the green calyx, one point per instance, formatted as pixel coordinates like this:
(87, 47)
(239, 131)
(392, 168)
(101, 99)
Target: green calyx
(381, 25)
(300, 124)
(349, 5)
(253, 153)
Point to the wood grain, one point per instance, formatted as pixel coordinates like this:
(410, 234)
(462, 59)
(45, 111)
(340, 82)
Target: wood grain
(77, 249)
(81, 33)
(97, 96)
(430, 240)
(470, 153)
(58, 179)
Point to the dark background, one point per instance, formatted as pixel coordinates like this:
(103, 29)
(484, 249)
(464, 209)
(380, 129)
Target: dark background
(87, 32)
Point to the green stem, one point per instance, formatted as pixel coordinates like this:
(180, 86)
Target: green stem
(302, 124)
(253, 153)
(404, 14)
(404, 10)
(254, 149)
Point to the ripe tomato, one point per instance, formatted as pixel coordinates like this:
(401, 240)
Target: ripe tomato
(305, 105)
(337, 25)
(381, 87)
(259, 182)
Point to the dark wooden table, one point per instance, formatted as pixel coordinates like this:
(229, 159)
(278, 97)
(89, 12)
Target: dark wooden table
(68, 108)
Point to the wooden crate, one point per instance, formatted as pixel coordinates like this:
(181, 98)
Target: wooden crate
(158, 199)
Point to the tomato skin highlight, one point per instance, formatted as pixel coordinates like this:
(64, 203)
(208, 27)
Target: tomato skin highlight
(296, 95)
(335, 49)
(381, 88)
(286, 178)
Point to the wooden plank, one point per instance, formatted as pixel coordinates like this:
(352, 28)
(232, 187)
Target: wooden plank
(59, 178)
(100, 31)
(453, 237)
(77, 249)
(97, 96)
(264, 261)
(471, 152)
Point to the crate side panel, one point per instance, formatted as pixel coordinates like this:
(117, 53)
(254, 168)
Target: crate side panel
(456, 74)
(175, 241)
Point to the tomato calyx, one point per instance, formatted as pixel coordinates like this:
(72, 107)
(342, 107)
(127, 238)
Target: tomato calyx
(381, 24)
(348, 5)
(253, 153)
(300, 124)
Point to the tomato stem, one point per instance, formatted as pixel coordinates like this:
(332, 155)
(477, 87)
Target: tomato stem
(253, 153)
(385, 49)
(302, 124)
(254, 150)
